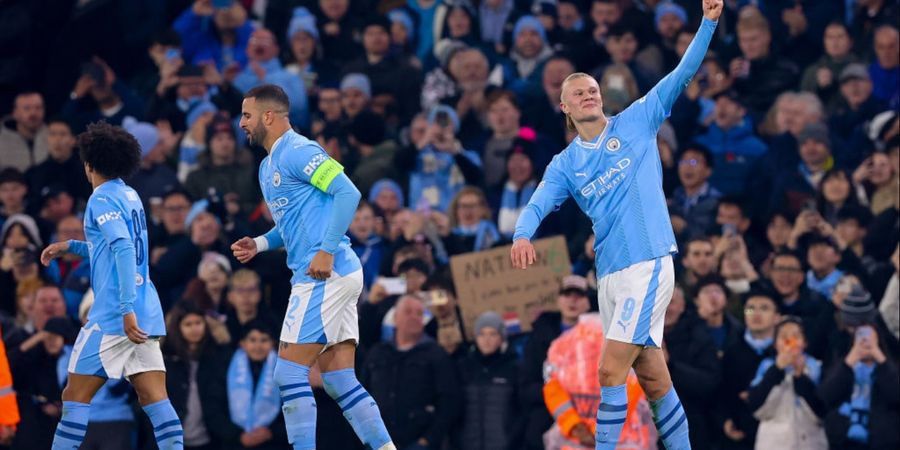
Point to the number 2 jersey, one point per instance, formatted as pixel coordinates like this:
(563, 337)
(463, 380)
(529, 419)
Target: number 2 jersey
(114, 213)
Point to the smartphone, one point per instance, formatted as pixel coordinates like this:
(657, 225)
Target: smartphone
(863, 333)
(442, 118)
(393, 285)
(172, 54)
(438, 297)
(729, 229)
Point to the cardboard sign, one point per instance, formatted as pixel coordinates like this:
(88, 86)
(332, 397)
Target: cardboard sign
(486, 281)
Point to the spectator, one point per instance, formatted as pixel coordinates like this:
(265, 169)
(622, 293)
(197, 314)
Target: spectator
(572, 302)
(710, 299)
(38, 374)
(541, 109)
(244, 295)
(19, 243)
(823, 257)
(868, 15)
(329, 109)
(442, 165)
(796, 186)
(197, 382)
(23, 135)
(338, 27)
(851, 110)
(821, 77)
(153, 177)
(413, 381)
(165, 54)
(424, 11)
(173, 212)
(521, 180)
(622, 45)
(695, 200)
(890, 303)
(493, 15)
(783, 395)
(860, 396)
(470, 228)
(70, 272)
(213, 33)
(740, 360)
(224, 168)
(759, 74)
(403, 36)
(880, 181)
(835, 192)
(253, 397)
(503, 116)
(378, 314)
(307, 61)
(387, 196)
(698, 261)
(183, 88)
(12, 193)
(368, 245)
(778, 232)
(207, 290)
(263, 67)
(356, 94)
(732, 142)
(388, 74)
(527, 56)
(488, 377)
(100, 95)
(669, 19)
(690, 354)
(55, 204)
(885, 69)
(447, 328)
(62, 166)
(851, 229)
(375, 151)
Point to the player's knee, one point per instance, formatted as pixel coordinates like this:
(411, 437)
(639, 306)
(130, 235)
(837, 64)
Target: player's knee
(611, 376)
(287, 373)
(70, 394)
(654, 385)
(338, 382)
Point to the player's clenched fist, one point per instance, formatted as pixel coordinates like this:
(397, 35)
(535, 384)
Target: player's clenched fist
(522, 254)
(712, 9)
(244, 249)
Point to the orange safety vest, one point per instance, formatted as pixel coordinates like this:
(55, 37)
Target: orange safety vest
(9, 410)
(572, 389)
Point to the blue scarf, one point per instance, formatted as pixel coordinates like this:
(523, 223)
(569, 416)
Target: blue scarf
(62, 366)
(825, 285)
(512, 202)
(858, 408)
(250, 410)
(813, 369)
(758, 345)
(486, 234)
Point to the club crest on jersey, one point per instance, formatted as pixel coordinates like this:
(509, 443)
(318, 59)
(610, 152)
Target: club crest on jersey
(613, 144)
(276, 179)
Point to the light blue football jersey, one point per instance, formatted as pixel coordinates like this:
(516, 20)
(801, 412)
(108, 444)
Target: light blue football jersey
(294, 180)
(616, 179)
(114, 211)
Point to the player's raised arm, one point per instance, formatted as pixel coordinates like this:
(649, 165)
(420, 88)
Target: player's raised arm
(549, 195)
(669, 88)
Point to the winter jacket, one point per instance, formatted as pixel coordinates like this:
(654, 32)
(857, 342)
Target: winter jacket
(16, 152)
(490, 414)
(735, 154)
(544, 331)
(789, 410)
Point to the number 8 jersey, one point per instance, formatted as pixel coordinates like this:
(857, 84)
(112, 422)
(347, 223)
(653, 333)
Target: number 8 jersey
(115, 212)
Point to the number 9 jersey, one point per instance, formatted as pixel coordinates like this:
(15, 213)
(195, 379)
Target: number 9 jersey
(115, 216)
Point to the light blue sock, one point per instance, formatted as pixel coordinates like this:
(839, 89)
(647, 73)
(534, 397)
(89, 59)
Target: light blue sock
(359, 407)
(671, 421)
(611, 416)
(298, 403)
(72, 426)
(166, 425)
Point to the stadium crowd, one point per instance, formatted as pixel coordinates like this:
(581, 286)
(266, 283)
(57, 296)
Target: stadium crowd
(781, 166)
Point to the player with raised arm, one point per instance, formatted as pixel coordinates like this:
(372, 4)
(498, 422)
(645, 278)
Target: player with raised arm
(312, 203)
(612, 169)
(121, 336)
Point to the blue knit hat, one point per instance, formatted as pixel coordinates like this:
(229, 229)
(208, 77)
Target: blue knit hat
(389, 184)
(531, 22)
(145, 133)
(400, 15)
(357, 81)
(454, 118)
(670, 8)
(303, 21)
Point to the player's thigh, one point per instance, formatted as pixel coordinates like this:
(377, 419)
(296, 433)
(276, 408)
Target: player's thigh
(150, 386)
(303, 354)
(615, 362)
(653, 373)
(81, 388)
(338, 357)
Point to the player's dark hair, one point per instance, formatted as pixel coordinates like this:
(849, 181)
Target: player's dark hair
(110, 151)
(270, 93)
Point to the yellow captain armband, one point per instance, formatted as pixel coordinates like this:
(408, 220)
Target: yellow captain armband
(325, 174)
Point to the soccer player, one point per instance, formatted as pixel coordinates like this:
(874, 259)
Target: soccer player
(312, 203)
(613, 170)
(121, 336)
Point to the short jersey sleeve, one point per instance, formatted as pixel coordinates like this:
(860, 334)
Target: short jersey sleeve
(310, 164)
(108, 216)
